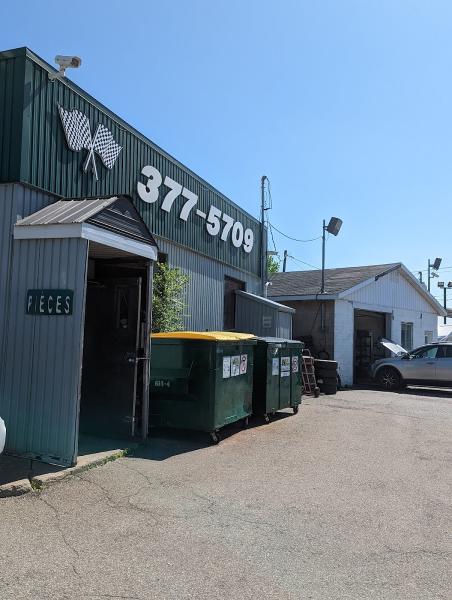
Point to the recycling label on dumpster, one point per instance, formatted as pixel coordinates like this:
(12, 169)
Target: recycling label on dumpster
(226, 367)
(294, 364)
(243, 364)
(275, 366)
(235, 366)
(285, 366)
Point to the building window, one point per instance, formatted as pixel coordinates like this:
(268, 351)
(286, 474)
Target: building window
(230, 285)
(407, 336)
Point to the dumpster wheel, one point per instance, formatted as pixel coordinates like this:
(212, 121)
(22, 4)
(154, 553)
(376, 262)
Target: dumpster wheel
(267, 418)
(295, 409)
(316, 392)
(215, 435)
(245, 422)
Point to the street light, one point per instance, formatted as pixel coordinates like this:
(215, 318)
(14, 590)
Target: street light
(333, 227)
(434, 266)
(444, 287)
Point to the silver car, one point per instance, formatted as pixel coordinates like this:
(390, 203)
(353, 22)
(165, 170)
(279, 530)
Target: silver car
(427, 365)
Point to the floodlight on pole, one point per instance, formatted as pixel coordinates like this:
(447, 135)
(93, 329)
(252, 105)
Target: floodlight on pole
(433, 266)
(333, 227)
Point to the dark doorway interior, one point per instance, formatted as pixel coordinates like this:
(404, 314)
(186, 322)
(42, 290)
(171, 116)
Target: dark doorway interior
(230, 285)
(114, 338)
(369, 328)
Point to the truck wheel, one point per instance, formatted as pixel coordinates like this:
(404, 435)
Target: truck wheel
(389, 378)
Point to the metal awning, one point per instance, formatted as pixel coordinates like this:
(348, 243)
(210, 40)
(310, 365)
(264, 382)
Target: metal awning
(266, 301)
(112, 222)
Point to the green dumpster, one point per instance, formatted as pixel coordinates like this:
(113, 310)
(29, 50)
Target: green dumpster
(277, 376)
(201, 380)
(296, 382)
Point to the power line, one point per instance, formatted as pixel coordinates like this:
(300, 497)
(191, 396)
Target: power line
(271, 233)
(426, 270)
(292, 238)
(303, 262)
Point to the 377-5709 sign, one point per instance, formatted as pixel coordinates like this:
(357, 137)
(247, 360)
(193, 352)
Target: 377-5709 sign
(216, 221)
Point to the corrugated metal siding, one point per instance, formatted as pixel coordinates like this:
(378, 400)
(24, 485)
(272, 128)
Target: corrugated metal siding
(390, 291)
(205, 293)
(39, 396)
(12, 70)
(16, 201)
(47, 163)
(251, 316)
(284, 327)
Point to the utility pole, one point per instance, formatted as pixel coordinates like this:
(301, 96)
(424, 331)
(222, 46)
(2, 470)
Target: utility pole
(428, 274)
(322, 289)
(445, 287)
(284, 261)
(263, 250)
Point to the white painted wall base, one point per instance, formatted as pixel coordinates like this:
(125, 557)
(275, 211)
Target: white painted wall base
(343, 339)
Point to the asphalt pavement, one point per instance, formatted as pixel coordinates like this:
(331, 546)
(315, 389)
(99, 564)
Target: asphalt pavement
(349, 499)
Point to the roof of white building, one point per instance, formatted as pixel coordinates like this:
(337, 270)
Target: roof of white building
(306, 285)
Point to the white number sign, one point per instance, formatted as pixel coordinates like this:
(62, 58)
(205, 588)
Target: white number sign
(216, 220)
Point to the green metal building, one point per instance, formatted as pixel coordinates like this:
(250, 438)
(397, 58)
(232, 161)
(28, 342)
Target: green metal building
(76, 276)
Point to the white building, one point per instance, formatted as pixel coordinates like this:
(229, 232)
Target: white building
(359, 306)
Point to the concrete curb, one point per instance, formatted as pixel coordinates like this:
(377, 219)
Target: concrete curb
(15, 488)
(84, 463)
(39, 482)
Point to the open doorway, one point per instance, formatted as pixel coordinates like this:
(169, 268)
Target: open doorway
(114, 354)
(369, 328)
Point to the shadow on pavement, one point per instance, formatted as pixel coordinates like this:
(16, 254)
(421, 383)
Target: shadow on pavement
(431, 392)
(414, 390)
(15, 468)
(164, 443)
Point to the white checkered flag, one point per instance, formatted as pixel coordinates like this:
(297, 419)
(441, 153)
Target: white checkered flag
(78, 136)
(106, 147)
(76, 128)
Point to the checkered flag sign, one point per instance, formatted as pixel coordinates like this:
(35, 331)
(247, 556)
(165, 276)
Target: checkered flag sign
(76, 128)
(106, 147)
(78, 135)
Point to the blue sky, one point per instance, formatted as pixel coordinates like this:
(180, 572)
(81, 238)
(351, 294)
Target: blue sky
(345, 105)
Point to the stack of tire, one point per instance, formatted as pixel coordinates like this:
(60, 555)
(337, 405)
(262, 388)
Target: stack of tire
(326, 375)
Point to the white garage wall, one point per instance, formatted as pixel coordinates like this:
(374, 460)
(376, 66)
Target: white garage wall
(343, 339)
(422, 322)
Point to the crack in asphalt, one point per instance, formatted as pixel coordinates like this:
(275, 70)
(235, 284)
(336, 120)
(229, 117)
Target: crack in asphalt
(66, 542)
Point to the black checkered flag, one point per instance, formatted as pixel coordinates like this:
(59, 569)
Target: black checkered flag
(106, 147)
(76, 129)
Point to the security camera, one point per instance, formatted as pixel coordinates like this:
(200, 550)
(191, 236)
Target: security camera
(65, 62)
(68, 61)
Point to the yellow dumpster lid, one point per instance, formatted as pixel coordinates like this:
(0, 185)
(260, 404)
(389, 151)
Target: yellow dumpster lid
(213, 336)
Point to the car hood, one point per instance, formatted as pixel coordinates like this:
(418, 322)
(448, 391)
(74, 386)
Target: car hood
(393, 347)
